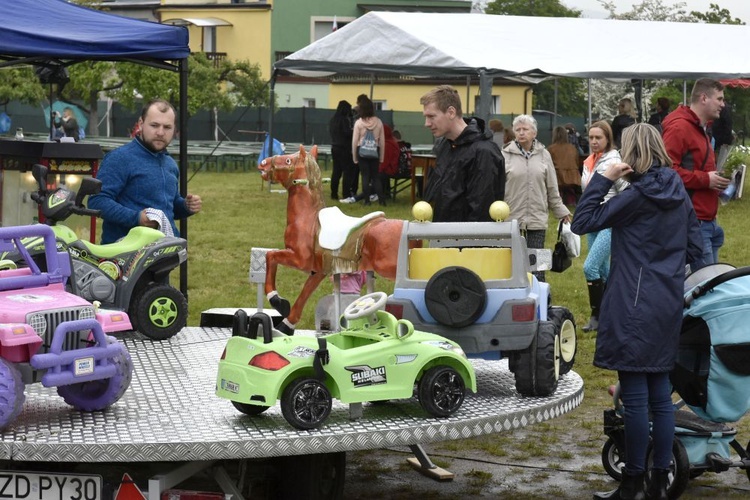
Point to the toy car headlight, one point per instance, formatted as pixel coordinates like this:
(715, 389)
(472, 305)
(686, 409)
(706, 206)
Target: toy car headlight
(87, 313)
(38, 322)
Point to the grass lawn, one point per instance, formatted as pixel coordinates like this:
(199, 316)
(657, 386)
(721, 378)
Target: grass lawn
(238, 214)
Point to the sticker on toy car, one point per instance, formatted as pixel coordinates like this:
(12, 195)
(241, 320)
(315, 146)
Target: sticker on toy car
(301, 352)
(31, 298)
(364, 375)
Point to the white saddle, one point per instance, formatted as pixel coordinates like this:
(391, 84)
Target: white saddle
(335, 226)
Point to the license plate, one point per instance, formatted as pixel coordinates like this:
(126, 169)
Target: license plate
(83, 366)
(49, 485)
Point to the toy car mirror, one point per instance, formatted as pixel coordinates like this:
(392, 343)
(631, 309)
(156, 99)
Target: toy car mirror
(39, 172)
(89, 185)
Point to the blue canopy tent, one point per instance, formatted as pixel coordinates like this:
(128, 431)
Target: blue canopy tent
(55, 33)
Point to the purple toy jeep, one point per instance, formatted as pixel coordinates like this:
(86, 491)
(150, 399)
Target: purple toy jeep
(52, 336)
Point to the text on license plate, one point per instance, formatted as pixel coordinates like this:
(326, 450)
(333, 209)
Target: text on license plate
(83, 366)
(49, 486)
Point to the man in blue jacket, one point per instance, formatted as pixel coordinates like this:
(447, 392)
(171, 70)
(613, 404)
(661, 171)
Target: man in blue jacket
(141, 179)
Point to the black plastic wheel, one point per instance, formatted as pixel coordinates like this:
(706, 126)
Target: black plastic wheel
(249, 409)
(565, 325)
(455, 296)
(306, 403)
(679, 474)
(613, 459)
(160, 311)
(537, 368)
(441, 391)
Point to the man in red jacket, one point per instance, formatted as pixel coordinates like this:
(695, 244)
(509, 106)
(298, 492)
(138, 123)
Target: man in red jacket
(689, 146)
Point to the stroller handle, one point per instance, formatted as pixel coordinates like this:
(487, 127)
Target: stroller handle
(709, 285)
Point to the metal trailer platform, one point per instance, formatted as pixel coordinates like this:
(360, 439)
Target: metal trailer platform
(170, 414)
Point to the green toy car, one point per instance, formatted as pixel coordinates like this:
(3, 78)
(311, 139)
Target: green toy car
(374, 358)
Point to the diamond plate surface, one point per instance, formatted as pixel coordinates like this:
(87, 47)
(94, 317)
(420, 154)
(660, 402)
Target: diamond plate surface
(170, 413)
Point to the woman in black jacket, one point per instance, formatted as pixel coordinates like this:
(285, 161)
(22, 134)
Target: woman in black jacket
(340, 127)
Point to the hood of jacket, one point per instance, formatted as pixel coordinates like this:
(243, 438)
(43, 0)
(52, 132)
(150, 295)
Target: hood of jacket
(474, 131)
(660, 184)
(683, 113)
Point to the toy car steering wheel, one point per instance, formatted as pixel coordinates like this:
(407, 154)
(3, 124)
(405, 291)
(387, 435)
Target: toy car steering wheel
(365, 305)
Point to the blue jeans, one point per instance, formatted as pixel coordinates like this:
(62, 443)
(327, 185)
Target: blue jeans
(713, 239)
(641, 392)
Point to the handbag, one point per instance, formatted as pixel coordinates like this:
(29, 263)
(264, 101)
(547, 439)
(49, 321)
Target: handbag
(572, 241)
(560, 258)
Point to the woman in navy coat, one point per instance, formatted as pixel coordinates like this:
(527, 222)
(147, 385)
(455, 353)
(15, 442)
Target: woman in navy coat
(654, 235)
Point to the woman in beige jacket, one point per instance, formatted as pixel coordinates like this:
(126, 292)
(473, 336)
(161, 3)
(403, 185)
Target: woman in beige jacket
(531, 184)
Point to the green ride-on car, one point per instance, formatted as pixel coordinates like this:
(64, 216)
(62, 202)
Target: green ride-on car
(375, 357)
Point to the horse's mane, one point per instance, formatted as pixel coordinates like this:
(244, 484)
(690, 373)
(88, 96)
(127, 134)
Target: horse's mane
(315, 184)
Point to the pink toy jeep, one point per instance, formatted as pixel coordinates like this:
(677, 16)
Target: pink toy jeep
(51, 336)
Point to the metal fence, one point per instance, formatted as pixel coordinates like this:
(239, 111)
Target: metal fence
(293, 125)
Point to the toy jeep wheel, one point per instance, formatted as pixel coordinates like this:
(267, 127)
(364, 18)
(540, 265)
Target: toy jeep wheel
(11, 392)
(441, 391)
(537, 367)
(100, 394)
(306, 403)
(159, 311)
(249, 409)
(565, 326)
(455, 296)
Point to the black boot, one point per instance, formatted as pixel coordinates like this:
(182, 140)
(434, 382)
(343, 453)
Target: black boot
(657, 485)
(596, 291)
(631, 488)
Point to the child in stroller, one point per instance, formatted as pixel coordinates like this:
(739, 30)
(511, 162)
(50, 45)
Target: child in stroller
(712, 376)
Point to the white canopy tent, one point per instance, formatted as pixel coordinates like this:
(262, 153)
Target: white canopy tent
(464, 44)
(422, 44)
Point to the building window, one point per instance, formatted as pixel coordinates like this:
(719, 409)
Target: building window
(324, 25)
(495, 104)
(308, 102)
(380, 105)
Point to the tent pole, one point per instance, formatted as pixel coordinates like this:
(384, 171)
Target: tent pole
(183, 128)
(271, 102)
(468, 94)
(554, 116)
(684, 92)
(589, 122)
(485, 97)
(372, 85)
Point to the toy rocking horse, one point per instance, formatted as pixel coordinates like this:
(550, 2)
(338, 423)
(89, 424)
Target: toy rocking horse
(319, 240)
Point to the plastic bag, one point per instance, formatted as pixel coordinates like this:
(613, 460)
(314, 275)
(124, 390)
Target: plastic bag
(571, 240)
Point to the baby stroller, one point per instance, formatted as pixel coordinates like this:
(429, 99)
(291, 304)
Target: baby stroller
(712, 378)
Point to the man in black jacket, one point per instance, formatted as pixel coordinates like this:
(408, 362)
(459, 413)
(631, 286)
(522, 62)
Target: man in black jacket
(469, 173)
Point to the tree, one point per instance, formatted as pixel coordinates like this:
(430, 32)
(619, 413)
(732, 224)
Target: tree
(538, 8)
(649, 10)
(716, 15)
(20, 84)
